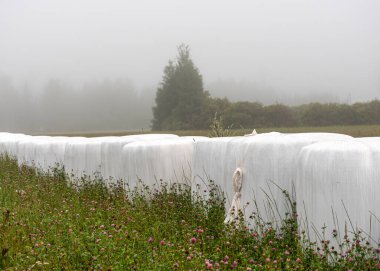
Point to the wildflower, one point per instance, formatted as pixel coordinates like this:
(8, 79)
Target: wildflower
(200, 230)
(267, 260)
(150, 240)
(193, 240)
(298, 260)
(286, 252)
(162, 243)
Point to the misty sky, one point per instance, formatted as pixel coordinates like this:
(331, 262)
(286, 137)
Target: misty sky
(291, 47)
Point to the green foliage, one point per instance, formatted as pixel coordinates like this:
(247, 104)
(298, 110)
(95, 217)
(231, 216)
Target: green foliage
(217, 128)
(256, 115)
(180, 97)
(46, 224)
(182, 104)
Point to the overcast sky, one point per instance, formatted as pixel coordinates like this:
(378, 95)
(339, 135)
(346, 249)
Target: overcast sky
(291, 46)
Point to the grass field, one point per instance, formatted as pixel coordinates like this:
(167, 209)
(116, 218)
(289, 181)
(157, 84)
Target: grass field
(354, 130)
(48, 224)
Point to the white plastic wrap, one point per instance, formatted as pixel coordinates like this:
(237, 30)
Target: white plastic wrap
(9, 144)
(265, 160)
(82, 157)
(111, 159)
(50, 153)
(26, 150)
(338, 186)
(330, 172)
(150, 161)
(100, 157)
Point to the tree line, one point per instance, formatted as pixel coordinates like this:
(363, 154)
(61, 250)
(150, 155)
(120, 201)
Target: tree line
(256, 115)
(60, 107)
(182, 103)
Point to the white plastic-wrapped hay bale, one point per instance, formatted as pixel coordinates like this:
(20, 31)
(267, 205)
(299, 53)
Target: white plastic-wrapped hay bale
(269, 165)
(75, 158)
(150, 161)
(50, 153)
(217, 159)
(214, 160)
(26, 150)
(265, 161)
(83, 157)
(4, 138)
(111, 160)
(9, 144)
(337, 188)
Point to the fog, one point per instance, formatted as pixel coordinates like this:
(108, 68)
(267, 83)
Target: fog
(268, 51)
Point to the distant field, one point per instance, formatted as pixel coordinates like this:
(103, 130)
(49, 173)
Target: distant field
(354, 130)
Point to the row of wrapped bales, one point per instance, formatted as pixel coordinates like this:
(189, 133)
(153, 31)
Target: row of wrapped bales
(335, 177)
(102, 156)
(267, 162)
(79, 156)
(41, 152)
(338, 186)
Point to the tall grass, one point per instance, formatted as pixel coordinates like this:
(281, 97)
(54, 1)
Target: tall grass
(47, 223)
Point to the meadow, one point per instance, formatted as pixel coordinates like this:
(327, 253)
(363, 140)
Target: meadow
(47, 223)
(352, 130)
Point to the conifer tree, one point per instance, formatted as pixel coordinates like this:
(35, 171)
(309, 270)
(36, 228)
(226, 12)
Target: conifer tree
(180, 95)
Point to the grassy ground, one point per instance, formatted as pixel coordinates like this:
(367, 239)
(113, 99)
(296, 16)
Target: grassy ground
(46, 224)
(354, 130)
